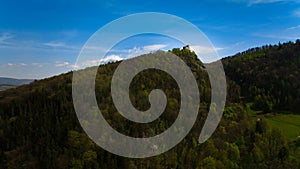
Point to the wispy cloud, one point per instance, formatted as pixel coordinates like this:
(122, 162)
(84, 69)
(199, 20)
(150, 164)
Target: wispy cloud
(254, 2)
(279, 36)
(137, 51)
(123, 53)
(284, 34)
(264, 1)
(205, 49)
(11, 42)
(55, 44)
(38, 64)
(61, 64)
(65, 64)
(4, 37)
(110, 58)
(294, 27)
(17, 41)
(114, 54)
(16, 64)
(90, 63)
(296, 13)
(25, 64)
(154, 47)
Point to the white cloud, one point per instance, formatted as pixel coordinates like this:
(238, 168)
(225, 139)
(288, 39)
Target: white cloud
(254, 2)
(294, 27)
(96, 62)
(204, 49)
(9, 42)
(11, 64)
(114, 54)
(54, 44)
(65, 64)
(38, 64)
(61, 64)
(154, 47)
(137, 51)
(110, 58)
(263, 1)
(16, 64)
(95, 48)
(94, 51)
(25, 64)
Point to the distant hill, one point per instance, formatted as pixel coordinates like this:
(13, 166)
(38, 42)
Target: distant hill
(14, 82)
(8, 83)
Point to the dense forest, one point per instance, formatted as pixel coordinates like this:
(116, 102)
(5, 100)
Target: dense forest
(260, 127)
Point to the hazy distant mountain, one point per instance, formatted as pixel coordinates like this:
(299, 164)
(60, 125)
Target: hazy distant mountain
(14, 82)
(7, 83)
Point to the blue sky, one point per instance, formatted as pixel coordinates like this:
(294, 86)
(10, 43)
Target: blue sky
(40, 38)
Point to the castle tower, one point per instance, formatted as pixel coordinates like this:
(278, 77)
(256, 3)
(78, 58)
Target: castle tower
(187, 47)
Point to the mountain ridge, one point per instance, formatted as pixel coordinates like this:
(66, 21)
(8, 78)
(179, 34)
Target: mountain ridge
(14, 81)
(8, 83)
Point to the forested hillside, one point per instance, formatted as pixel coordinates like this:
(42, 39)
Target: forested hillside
(269, 76)
(39, 128)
